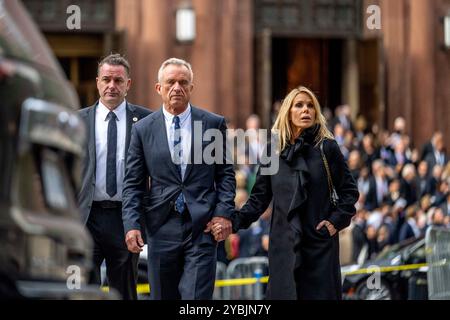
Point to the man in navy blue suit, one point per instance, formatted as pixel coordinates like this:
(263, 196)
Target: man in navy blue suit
(186, 197)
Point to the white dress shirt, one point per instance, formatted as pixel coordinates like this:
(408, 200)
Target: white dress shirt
(186, 133)
(382, 189)
(412, 223)
(101, 150)
(439, 156)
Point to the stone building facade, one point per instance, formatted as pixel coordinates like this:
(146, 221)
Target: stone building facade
(248, 53)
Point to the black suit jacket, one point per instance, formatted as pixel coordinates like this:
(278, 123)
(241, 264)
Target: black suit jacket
(371, 202)
(432, 161)
(86, 194)
(406, 232)
(208, 189)
(426, 149)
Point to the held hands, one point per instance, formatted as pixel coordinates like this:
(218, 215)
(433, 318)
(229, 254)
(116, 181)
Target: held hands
(331, 229)
(219, 227)
(134, 241)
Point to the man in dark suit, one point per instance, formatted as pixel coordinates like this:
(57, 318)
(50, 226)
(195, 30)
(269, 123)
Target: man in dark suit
(343, 117)
(437, 154)
(187, 195)
(423, 181)
(430, 146)
(409, 228)
(378, 186)
(109, 123)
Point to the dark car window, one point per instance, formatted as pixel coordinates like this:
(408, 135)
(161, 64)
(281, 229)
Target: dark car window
(417, 253)
(394, 250)
(28, 182)
(56, 190)
(389, 252)
(44, 176)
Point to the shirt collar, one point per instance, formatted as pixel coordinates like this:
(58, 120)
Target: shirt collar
(120, 111)
(183, 116)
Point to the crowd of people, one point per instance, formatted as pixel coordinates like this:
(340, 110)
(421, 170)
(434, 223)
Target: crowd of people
(404, 188)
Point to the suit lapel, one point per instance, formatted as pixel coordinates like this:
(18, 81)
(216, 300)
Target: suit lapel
(195, 116)
(131, 118)
(91, 123)
(162, 146)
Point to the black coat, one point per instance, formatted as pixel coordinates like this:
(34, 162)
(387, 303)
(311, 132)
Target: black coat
(408, 191)
(303, 262)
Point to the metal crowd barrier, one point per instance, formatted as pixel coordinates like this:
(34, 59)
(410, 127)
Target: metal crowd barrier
(245, 279)
(221, 273)
(437, 242)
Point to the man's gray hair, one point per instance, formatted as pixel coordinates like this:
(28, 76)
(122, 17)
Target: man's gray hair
(178, 62)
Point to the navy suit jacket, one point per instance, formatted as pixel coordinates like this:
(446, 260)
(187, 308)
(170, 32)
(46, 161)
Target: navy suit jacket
(406, 232)
(371, 202)
(86, 194)
(208, 189)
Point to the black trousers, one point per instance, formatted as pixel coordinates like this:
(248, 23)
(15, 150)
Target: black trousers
(179, 266)
(106, 228)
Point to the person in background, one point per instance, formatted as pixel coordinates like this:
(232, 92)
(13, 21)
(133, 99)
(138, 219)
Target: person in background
(409, 228)
(359, 234)
(437, 154)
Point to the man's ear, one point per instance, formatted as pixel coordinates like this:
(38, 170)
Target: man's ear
(158, 88)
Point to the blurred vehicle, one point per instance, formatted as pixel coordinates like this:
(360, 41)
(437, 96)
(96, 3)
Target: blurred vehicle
(45, 251)
(401, 270)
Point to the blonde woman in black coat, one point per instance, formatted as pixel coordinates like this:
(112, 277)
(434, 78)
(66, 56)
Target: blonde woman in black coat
(304, 243)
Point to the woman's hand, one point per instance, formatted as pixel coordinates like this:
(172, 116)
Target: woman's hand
(331, 229)
(219, 227)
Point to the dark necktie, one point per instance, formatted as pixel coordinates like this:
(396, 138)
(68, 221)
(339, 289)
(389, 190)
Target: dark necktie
(177, 151)
(111, 181)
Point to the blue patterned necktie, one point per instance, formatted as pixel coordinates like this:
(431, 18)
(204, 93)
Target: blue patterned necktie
(177, 152)
(111, 180)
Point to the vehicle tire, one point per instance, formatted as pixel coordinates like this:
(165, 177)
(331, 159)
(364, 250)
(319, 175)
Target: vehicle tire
(384, 292)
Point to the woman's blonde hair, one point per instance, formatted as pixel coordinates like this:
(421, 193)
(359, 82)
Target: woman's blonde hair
(282, 126)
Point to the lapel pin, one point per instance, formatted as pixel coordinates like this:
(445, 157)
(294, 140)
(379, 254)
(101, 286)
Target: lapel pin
(135, 119)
